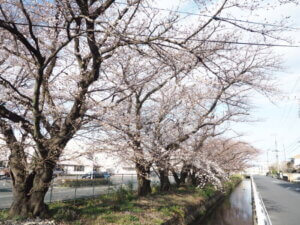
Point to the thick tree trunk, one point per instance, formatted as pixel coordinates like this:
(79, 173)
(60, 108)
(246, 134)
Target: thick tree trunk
(176, 177)
(28, 206)
(28, 196)
(183, 175)
(165, 184)
(29, 189)
(191, 179)
(143, 177)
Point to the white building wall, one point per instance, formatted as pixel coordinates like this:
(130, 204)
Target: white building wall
(296, 161)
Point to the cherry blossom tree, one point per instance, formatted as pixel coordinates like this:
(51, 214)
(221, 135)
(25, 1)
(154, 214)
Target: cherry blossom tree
(65, 64)
(50, 71)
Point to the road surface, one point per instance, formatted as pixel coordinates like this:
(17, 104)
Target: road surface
(65, 193)
(281, 198)
(62, 193)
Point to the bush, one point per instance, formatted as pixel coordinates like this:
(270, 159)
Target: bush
(66, 213)
(84, 182)
(155, 188)
(3, 215)
(207, 192)
(171, 210)
(122, 194)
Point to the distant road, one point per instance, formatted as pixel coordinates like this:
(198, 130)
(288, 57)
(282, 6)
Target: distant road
(281, 198)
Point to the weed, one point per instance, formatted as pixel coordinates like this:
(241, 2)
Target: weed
(3, 215)
(66, 213)
(171, 210)
(206, 192)
(155, 187)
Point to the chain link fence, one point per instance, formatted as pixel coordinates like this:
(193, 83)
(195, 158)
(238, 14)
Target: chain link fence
(65, 188)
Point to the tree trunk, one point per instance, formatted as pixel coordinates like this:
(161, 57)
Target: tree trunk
(29, 188)
(183, 175)
(191, 179)
(28, 196)
(165, 184)
(176, 178)
(143, 177)
(28, 206)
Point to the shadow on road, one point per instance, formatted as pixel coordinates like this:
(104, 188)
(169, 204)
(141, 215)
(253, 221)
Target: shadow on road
(272, 206)
(291, 186)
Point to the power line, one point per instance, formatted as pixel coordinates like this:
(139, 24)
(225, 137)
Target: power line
(287, 110)
(164, 37)
(215, 17)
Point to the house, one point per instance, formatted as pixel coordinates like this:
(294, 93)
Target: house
(100, 162)
(295, 161)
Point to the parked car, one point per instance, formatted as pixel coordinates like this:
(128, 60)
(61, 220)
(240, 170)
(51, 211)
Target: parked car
(58, 172)
(94, 174)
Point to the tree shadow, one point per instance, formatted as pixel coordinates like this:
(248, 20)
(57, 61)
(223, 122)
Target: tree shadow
(272, 206)
(291, 186)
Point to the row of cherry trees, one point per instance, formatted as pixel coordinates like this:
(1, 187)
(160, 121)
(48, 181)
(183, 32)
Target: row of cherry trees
(144, 83)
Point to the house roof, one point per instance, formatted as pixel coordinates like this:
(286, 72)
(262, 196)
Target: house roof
(296, 157)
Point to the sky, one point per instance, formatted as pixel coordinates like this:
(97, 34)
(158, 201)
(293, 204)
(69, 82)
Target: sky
(278, 119)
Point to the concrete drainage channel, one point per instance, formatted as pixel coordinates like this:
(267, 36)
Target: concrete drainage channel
(260, 214)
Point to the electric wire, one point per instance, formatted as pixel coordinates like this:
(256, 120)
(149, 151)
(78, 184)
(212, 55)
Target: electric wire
(216, 17)
(165, 37)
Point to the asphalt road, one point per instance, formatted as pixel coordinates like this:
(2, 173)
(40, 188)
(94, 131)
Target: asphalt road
(62, 193)
(58, 194)
(281, 198)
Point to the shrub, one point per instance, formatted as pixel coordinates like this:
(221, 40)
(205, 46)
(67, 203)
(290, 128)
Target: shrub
(66, 213)
(155, 188)
(171, 210)
(207, 192)
(3, 215)
(84, 182)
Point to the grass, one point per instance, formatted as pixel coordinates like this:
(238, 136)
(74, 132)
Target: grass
(3, 215)
(123, 207)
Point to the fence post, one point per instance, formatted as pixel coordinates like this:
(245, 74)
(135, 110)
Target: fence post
(51, 191)
(122, 179)
(76, 183)
(93, 184)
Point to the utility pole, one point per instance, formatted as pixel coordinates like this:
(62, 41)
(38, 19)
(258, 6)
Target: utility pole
(277, 156)
(268, 159)
(284, 153)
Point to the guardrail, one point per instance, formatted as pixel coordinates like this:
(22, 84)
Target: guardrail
(260, 214)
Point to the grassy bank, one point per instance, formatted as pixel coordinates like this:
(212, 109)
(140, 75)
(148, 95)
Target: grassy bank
(123, 206)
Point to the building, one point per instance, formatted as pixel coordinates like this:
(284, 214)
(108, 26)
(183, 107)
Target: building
(295, 161)
(100, 162)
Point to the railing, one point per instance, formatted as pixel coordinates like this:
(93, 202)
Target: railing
(260, 214)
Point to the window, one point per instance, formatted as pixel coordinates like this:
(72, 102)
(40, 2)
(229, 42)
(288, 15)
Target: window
(78, 168)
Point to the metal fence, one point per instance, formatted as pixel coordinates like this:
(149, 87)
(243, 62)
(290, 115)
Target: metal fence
(261, 216)
(73, 187)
